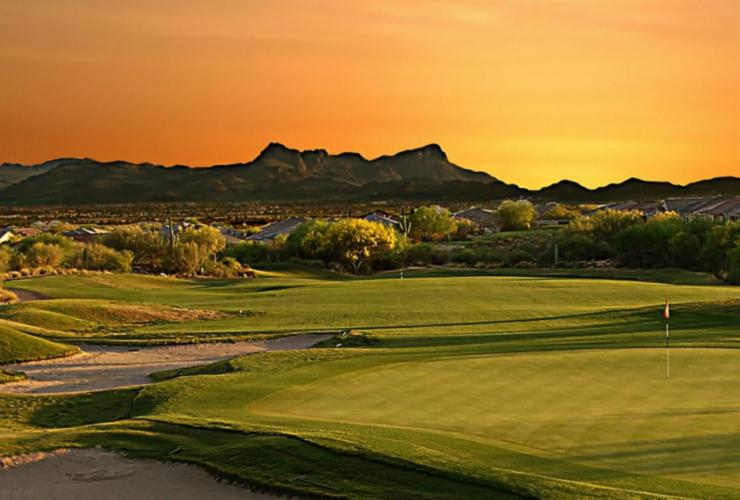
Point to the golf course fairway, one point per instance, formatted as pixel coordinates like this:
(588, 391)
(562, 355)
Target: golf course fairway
(441, 385)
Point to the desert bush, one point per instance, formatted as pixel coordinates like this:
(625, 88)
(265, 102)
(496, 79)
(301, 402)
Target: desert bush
(356, 243)
(147, 246)
(515, 215)
(431, 223)
(247, 252)
(45, 254)
(5, 259)
(7, 297)
(99, 257)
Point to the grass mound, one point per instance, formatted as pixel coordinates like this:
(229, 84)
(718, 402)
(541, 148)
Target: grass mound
(16, 346)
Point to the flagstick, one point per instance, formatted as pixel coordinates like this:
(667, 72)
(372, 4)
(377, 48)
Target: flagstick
(667, 352)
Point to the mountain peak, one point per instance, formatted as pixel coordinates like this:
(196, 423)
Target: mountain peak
(276, 148)
(428, 151)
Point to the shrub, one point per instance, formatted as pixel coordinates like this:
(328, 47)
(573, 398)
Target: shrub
(356, 243)
(45, 254)
(518, 256)
(147, 247)
(431, 223)
(733, 266)
(7, 297)
(99, 257)
(5, 259)
(515, 215)
(247, 252)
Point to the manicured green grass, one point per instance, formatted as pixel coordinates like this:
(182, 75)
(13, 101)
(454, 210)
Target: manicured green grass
(666, 275)
(282, 303)
(449, 386)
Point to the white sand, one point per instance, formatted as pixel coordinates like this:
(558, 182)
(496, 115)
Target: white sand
(106, 367)
(94, 474)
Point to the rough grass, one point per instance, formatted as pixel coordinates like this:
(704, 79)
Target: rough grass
(77, 315)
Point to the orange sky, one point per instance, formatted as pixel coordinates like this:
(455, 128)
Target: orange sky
(532, 91)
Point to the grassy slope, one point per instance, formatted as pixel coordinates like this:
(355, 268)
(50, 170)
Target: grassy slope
(16, 345)
(457, 395)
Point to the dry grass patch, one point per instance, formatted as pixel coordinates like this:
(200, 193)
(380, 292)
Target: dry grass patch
(7, 297)
(81, 315)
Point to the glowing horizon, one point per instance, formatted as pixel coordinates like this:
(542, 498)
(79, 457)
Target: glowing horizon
(531, 92)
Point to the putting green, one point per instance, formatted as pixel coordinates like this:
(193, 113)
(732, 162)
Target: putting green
(611, 409)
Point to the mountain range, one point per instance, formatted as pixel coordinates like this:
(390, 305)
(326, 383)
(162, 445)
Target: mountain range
(282, 174)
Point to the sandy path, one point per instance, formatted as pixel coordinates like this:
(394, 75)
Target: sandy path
(105, 367)
(94, 474)
(27, 295)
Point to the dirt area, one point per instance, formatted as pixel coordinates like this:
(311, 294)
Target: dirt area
(94, 474)
(106, 367)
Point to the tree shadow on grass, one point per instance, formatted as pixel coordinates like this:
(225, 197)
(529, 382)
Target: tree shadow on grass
(717, 454)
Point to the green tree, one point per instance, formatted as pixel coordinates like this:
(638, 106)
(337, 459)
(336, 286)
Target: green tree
(102, 258)
(606, 224)
(560, 212)
(431, 223)
(147, 247)
(209, 239)
(46, 238)
(721, 240)
(515, 215)
(5, 259)
(648, 245)
(592, 237)
(356, 242)
(733, 265)
(185, 258)
(313, 244)
(45, 255)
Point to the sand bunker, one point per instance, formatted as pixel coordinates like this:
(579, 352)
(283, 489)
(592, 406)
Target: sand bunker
(107, 367)
(94, 474)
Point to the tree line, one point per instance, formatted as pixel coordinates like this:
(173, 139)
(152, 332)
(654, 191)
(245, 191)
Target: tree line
(623, 238)
(194, 251)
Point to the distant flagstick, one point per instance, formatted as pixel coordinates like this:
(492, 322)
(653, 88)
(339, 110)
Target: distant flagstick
(667, 316)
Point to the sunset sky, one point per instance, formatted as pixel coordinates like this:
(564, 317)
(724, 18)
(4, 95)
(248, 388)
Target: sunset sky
(531, 91)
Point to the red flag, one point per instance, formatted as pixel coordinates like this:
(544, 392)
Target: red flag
(667, 311)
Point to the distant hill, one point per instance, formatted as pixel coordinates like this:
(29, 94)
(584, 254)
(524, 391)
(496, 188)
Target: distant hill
(283, 174)
(13, 173)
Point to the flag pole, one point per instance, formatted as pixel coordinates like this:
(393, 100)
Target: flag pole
(667, 352)
(667, 316)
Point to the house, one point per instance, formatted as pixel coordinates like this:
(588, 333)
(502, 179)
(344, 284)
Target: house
(7, 235)
(553, 214)
(85, 234)
(719, 209)
(26, 232)
(13, 235)
(479, 216)
(280, 228)
(232, 236)
(544, 208)
(648, 208)
(382, 217)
